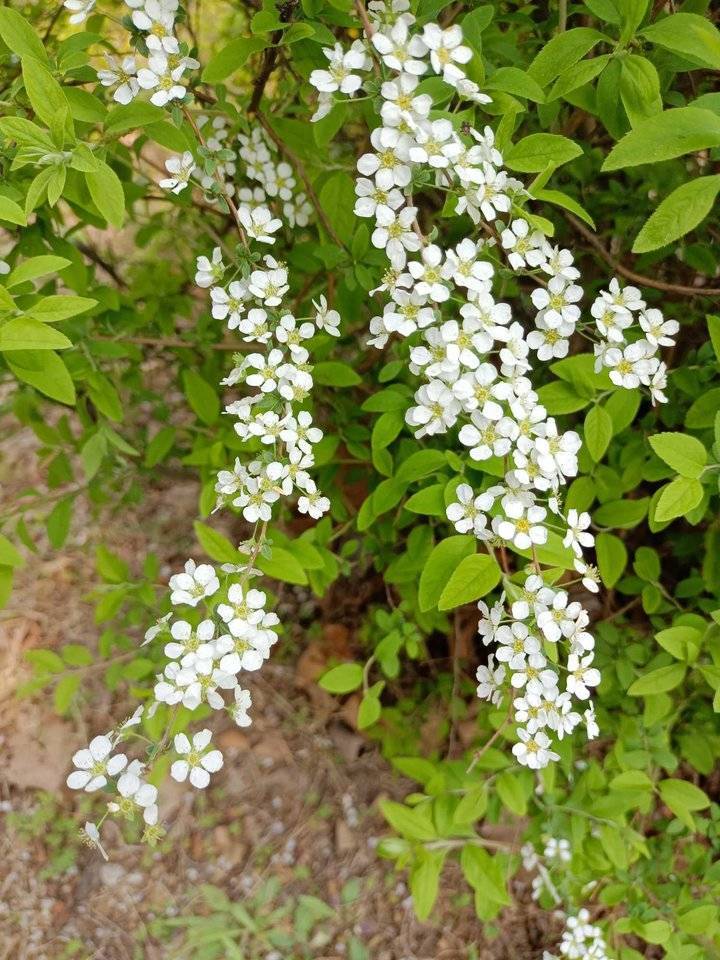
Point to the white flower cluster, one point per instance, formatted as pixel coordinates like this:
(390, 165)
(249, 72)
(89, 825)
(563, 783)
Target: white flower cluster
(581, 940)
(167, 60)
(273, 181)
(476, 361)
(223, 627)
(633, 363)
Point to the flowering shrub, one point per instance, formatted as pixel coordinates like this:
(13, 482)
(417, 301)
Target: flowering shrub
(507, 469)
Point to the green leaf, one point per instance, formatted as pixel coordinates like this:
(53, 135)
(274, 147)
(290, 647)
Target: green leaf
(333, 373)
(342, 679)
(598, 432)
(612, 558)
(514, 80)
(562, 52)
(577, 76)
(484, 873)
(130, 116)
(474, 577)
(411, 822)
(658, 681)
(639, 88)
(65, 692)
(215, 545)
(107, 194)
(22, 333)
(46, 95)
(425, 881)
(534, 152)
(683, 798)
(560, 199)
(231, 57)
(689, 35)
(683, 453)
(678, 213)
(76, 655)
(667, 135)
(370, 709)
(46, 661)
(512, 790)
(58, 522)
(92, 453)
(12, 212)
(622, 514)
(9, 556)
(677, 498)
(159, 447)
(201, 396)
(713, 325)
(20, 36)
(439, 566)
(56, 308)
(337, 198)
(35, 267)
(703, 411)
(282, 565)
(45, 371)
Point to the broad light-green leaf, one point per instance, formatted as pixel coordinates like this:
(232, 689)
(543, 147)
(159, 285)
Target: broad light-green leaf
(474, 577)
(683, 453)
(688, 34)
(533, 153)
(439, 567)
(672, 133)
(678, 214)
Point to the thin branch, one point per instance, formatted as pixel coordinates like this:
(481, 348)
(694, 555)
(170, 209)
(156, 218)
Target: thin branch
(270, 59)
(637, 277)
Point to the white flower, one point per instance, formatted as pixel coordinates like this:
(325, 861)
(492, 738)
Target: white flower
(516, 644)
(659, 332)
(399, 50)
(190, 644)
(194, 584)
(157, 20)
(490, 679)
(326, 319)
(259, 223)
(181, 169)
(428, 274)
(400, 107)
(122, 74)
(576, 536)
(525, 530)
(629, 367)
(536, 676)
(435, 144)
(80, 9)
(469, 512)
(558, 849)
(593, 730)
(134, 794)
(371, 197)
(445, 47)
(339, 75)
(210, 271)
(239, 712)
(559, 619)
(558, 302)
(436, 410)
(160, 77)
(198, 761)
(581, 675)
(91, 836)
(557, 453)
(486, 438)
(389, 164)
(589, 575)
(230, 305)
(270, 285)
(490, 619)
(94, 765)
(312, 502)
(550, 342)
(467, 269)
(525, 248)
(533, 750)
(395, 234)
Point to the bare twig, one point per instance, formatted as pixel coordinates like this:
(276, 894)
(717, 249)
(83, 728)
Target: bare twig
(678, 288)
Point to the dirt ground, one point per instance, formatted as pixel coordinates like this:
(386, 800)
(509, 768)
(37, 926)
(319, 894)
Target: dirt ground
(293, 810)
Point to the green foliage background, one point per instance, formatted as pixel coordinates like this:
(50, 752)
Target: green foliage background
(612, 106)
